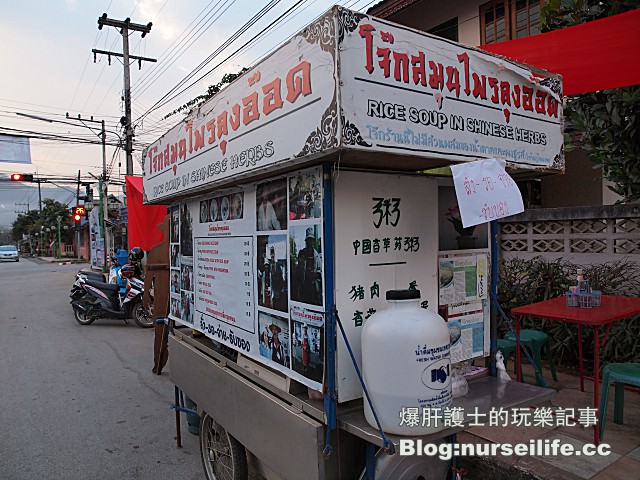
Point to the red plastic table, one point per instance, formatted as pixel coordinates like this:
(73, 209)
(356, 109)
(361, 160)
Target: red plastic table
(613, 308)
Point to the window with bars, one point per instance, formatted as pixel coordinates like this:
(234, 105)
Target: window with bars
(502, 20)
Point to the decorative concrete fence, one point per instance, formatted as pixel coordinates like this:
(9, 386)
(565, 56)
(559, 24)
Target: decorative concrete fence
(582, 235)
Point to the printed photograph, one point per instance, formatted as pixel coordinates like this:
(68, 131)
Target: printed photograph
(175, 281)
(237, 206)
(175, 307)
(305, 195)
(271, 268)
(175, 255)
(273, 336)
(307, 343)
(175, 224)
(186, 282)
(271, 205)
(306, 264)
(186, 229)
(204, 211)
(187, 307)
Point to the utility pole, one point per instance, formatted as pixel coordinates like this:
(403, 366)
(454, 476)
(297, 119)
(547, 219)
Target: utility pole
(103, 181)
(125, 26)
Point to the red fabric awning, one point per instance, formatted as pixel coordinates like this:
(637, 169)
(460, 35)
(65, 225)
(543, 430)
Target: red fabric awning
(597, 55)
(143, 220)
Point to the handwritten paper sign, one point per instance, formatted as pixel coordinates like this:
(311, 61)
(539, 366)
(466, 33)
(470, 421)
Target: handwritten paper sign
(485, 191)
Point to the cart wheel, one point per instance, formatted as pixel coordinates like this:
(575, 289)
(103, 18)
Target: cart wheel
(223, 457)
(413, 467)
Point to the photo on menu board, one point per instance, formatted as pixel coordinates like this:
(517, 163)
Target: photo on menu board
(271, 205)
(186, 313)
(307, 343)
(186, 229)
(175, 281)
(271, 268)
(175, 255)
(186, 282)
(175, 224)
(306, 264)
(305, 197)
(175, 307)
(273, 336)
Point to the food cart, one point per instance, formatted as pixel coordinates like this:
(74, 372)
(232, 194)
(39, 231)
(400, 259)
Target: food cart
(299, 195)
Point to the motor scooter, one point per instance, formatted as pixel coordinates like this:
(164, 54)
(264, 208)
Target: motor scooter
(106, 300)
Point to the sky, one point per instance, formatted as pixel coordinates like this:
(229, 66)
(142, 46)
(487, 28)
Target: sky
(48, 71)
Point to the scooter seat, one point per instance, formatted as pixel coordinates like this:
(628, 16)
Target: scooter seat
(111, 287)
(93, 275)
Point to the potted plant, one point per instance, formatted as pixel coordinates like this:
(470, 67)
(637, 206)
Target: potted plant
(465, 239)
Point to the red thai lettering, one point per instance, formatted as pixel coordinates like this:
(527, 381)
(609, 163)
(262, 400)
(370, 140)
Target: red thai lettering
(527, 98)
(250, 111)
(198, 142)
(366, 32)
(272, 96)
(211, 128)
(453, 80)
(479, 86)
(401, 67)
(299, 81)
(223, 129)
(182, 148)
(493, 84)
(552, 107)
(384, 60)
(418, 71)
(436, 77)
(540, 101)
(505, 91)
(464, 59)
(234, 118)
(516, 96)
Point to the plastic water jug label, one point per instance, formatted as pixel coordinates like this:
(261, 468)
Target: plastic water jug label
(437, 375)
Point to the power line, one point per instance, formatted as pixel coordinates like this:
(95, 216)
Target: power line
(217, 51)
(178, 50)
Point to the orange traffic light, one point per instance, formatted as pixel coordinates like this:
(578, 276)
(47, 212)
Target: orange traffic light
(78, 213)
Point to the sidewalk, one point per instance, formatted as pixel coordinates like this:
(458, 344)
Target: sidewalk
(623, 462)
(63, 261)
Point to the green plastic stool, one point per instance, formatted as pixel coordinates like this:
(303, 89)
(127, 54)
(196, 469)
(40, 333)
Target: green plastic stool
(621, 374)
(536, 341)
(508, 348)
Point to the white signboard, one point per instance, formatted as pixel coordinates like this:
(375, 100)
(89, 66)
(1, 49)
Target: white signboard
(485, 191)
(282, 109)
(408, 92)
(385, 238)
(15, 149)
(223, 273)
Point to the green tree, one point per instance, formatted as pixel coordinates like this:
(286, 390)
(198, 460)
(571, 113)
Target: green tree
(34, 222)
(605, 124)
(211, 91)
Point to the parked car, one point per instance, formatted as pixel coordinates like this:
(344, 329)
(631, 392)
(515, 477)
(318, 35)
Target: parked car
(9, 252)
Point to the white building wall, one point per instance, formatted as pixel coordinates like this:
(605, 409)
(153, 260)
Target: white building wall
(431, 13)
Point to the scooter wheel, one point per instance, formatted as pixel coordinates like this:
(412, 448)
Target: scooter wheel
(141, 315)
(223, 457)
(82, 318)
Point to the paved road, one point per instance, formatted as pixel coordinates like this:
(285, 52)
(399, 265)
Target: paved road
(80, 402)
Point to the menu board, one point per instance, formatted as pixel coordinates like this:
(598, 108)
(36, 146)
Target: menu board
(247, 270)
(224, 280)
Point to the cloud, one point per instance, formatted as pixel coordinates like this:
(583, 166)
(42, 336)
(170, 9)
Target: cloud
(71, 4)
(150, 10)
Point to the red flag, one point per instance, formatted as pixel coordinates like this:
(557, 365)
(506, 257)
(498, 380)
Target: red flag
(143, 220)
